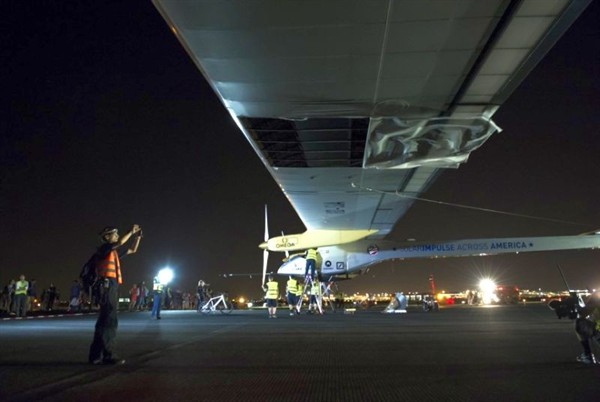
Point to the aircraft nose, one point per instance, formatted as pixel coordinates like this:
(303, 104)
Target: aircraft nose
(263, 245)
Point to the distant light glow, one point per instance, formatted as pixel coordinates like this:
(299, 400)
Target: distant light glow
(165, 276)
(488, 291)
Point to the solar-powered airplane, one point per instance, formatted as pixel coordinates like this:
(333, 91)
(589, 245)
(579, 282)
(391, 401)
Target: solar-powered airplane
(355, 106)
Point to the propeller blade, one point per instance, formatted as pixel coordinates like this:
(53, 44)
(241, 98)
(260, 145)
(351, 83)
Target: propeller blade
(265, 252)
(266, 225)
(265, 260)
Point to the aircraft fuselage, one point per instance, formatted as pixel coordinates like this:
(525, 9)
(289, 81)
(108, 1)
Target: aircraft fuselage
(352, 257)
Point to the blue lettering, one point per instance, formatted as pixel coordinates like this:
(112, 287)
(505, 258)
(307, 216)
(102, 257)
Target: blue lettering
(472, 247)
(509, 245)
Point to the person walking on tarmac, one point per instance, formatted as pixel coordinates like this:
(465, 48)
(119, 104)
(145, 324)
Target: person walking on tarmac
(108, 268)
(291, 290)
(272, 294)
(587, 327)
(311, 263)
(157, 289)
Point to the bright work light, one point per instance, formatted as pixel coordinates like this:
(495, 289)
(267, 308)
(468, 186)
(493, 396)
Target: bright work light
(488, 291)
(165, 276)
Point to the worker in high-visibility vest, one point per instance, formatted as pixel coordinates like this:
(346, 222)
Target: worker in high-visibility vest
(291, 290)
(311, 263)
(21, 296)
(108, 269)
(299, 297)
(272, 294)
(315, 297)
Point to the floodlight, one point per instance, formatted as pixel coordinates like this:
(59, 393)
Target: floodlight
(165, 276)
(487, 285)
(488, 291)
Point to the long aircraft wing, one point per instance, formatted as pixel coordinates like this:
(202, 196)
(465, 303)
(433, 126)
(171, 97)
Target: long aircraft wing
(354, 105)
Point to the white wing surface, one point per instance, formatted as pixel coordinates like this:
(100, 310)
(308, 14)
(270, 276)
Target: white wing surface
(351, 104)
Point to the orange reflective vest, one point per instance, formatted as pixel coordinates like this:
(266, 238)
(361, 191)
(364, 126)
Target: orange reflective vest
(110, 267)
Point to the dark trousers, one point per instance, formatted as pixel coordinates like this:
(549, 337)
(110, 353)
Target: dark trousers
(21, 305)
(310, 267)
(107, 323)
(156, 304)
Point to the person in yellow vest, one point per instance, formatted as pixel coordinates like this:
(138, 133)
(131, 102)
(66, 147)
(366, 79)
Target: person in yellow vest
(272, 294)
(315, 298)
(291, 290)
(299, 297)
(21, 296)
(108, 269)
(311, 263)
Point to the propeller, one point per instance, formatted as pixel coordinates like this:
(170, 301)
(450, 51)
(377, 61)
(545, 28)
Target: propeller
(265, 251)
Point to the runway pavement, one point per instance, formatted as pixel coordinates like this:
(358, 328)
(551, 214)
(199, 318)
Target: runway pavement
(461, 353)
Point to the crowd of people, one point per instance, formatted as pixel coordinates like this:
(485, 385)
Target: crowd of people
(20, 296)
(141, 297)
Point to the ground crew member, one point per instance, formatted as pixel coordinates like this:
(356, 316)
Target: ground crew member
(272, 294)
(315, 297)
(311, 262)
(21, 296)
(157, 289)
(299, 297)
(587, 327)
(108, 268)
(291, 290)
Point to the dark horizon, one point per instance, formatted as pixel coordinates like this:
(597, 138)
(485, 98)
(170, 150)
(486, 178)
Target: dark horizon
(110, 123)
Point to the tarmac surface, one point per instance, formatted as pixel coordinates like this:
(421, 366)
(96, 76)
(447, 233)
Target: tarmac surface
(460, 353)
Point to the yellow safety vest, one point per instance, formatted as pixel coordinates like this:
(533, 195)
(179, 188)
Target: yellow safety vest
(292, 286)
(311, 254)
(21, 287)
(299, 289)
(316, 289)
(272, 290)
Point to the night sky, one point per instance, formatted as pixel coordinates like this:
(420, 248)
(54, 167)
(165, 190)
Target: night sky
(106, 121)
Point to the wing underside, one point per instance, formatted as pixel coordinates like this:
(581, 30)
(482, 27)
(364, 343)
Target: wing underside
(354, 106)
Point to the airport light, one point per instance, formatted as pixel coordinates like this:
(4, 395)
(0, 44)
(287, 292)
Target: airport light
(165, 276)
(488, 291)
